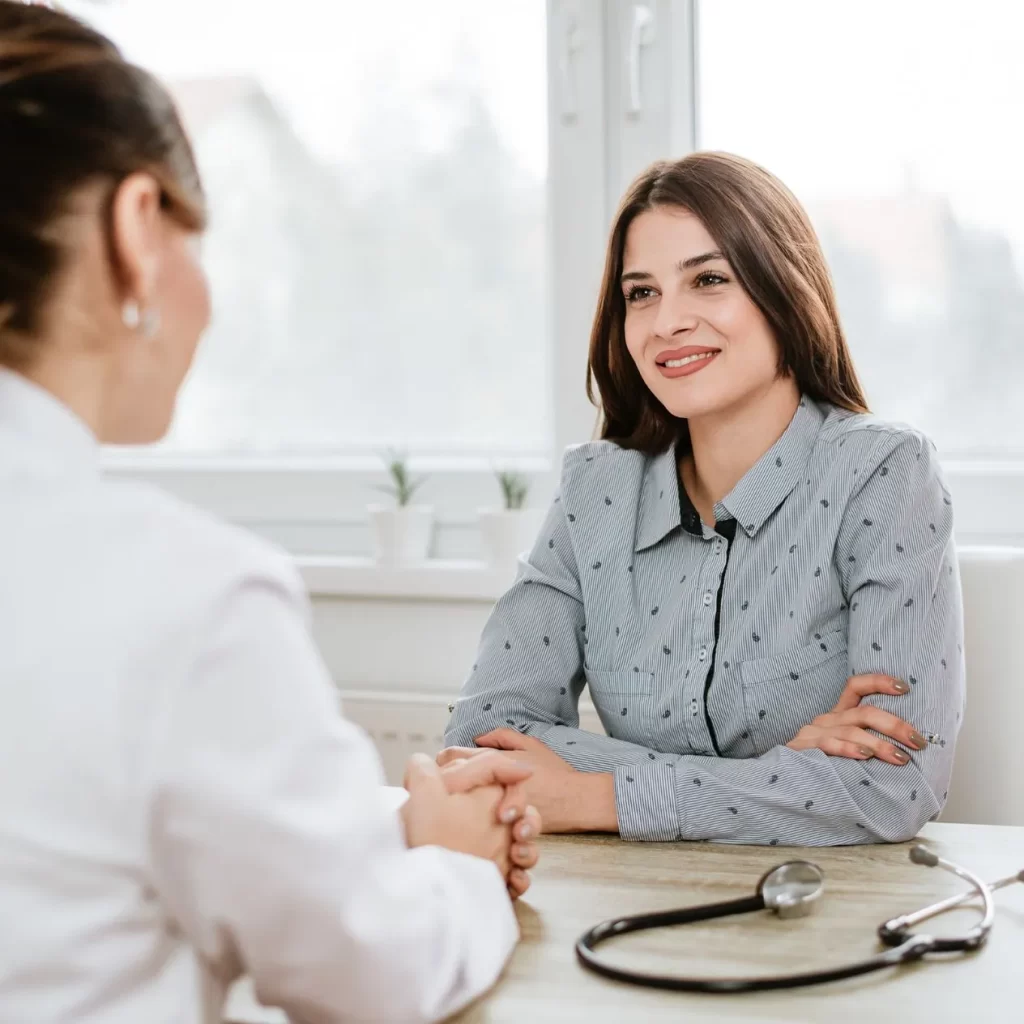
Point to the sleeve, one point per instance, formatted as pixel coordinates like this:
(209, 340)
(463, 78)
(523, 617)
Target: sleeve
(274, 852)
(528, 673)
(896, 553)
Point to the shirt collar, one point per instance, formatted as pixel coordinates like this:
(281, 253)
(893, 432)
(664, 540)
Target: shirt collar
(767, 484)
(659, 511)
(44, 422)
(762, 489)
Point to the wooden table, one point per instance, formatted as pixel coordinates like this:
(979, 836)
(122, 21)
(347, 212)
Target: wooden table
(582, 880)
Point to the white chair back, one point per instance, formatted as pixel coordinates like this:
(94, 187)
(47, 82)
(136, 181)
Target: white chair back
(988, 773)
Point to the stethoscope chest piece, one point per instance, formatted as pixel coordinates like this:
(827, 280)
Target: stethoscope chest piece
(792, 889)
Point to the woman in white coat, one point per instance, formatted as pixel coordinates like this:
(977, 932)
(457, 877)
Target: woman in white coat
(180, 801)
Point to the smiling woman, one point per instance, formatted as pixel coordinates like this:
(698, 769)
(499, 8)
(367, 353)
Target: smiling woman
(753, 576)
(706, 225)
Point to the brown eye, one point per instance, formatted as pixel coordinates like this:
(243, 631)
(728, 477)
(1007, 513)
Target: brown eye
(638, 293)
(709, 278)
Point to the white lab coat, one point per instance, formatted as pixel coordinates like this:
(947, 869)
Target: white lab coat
(180, 801)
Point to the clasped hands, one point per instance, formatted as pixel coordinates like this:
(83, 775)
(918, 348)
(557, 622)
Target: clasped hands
(476, 806)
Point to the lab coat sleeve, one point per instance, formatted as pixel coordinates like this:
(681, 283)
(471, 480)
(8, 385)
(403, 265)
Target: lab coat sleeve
(273, 849)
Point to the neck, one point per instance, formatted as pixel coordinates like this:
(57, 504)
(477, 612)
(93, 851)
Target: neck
(725, 445)
(77, 381)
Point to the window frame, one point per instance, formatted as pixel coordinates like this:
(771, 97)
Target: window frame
(317, 506)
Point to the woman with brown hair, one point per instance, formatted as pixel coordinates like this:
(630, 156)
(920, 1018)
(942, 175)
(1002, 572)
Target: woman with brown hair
(754, 577)
(180, 801)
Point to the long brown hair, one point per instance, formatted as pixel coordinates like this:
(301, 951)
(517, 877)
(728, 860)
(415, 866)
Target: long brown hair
(73, 112)
(765, 234)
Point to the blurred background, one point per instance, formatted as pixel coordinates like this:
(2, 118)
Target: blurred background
(379, 182)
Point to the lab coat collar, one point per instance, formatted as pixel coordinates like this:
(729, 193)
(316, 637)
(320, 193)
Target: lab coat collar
(45, 424)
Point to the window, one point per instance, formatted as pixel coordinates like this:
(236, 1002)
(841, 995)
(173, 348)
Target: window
(376, 175)
(896, 125)
(410, 204)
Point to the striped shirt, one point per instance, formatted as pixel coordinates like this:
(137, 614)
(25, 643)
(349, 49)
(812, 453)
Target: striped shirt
(704, 656)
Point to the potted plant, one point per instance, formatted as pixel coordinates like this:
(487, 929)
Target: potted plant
(402, 531)
(509, 531)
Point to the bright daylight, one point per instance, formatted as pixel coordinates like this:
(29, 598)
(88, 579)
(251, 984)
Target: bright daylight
(511, 511)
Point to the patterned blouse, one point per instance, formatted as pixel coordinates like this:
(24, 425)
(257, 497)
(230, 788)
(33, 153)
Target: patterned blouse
(705, 650)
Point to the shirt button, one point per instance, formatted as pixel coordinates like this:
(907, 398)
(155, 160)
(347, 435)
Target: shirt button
(707, 599)
(703, 653)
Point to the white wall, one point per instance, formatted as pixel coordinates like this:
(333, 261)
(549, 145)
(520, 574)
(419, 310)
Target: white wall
(399, 643)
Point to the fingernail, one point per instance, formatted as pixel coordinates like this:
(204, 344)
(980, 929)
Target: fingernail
(509, 815)
(901, 687)
(918, 740)
(522, 852)
(866, 753)
(526, 832)
(901, 756)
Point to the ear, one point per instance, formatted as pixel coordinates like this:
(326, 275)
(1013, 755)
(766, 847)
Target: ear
(136, 234)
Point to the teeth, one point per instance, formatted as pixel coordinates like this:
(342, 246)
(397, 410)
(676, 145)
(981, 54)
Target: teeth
(689, 359)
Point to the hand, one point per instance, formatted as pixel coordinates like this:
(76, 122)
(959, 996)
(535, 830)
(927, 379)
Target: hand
(489, 767)
(463, 822)
(843, 732)
(568, 800)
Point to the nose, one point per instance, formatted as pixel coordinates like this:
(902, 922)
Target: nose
(675, 317)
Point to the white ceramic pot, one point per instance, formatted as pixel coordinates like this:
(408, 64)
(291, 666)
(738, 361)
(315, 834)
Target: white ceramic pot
(506, 534)
(401, 534)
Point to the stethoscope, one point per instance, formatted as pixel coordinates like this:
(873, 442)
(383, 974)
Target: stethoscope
(792, 890)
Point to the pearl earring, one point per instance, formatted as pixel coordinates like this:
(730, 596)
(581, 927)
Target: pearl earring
(146, 322)
(130, 314)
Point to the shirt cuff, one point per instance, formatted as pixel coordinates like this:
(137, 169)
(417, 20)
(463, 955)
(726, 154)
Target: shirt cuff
(645, 802)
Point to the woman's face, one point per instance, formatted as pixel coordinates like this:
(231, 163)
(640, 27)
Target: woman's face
(700, 343)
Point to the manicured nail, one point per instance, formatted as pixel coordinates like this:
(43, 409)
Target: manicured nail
(901, 687)
(522, 852)
(509, 815)
(918, 740)
(526, 832)
(901, 756)
(866, 753)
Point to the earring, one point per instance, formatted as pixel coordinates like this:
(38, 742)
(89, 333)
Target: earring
(130, 314)
(146, 322)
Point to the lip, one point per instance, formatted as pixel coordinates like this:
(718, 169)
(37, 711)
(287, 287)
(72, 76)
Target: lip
(682, 353)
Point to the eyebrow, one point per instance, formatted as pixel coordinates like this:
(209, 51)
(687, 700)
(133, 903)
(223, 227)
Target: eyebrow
(681, 266)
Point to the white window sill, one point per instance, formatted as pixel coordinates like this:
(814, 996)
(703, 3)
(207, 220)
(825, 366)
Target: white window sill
(433, 580)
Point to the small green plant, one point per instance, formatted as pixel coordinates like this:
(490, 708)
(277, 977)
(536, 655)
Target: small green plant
(514, 489)
(402, 486)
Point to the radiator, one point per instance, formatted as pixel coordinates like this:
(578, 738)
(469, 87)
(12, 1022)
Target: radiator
(403, 724)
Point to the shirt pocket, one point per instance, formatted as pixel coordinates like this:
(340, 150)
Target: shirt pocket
(624, 699)
(786, 691)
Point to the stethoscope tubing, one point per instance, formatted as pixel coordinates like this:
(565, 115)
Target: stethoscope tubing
(913, 949)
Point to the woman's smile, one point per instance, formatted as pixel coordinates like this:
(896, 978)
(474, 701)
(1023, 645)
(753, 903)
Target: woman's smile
(686, 361)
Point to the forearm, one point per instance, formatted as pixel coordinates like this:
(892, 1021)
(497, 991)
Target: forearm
(585, 751)
(785, 798)
(283, 797)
